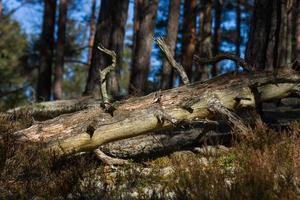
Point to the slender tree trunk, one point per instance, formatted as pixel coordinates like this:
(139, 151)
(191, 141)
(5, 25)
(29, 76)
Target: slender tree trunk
(204, 44)
(46, 51)
(1, 9)
(172, 31)
(189, 35)
(58, 76)
(145, 17)
(270, 35)
(110, 32)
(296, 32)
(92, 31)
(238, 29)
(217, 34)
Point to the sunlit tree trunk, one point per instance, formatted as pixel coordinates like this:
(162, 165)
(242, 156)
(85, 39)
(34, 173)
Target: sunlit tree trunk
(204, 43)
(61, 37)
(172, 31)
(110, 32)
(144, 25)
(216, 34)
(189, 35)
(92, 31)
(46, 51)
(269, 45)
(238, 29)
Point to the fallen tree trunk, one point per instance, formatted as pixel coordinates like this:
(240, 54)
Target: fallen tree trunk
(88, 129)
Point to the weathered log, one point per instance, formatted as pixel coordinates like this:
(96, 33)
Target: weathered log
(88, 129)
(50, 109)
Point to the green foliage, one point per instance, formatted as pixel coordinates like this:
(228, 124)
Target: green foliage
(13, 46)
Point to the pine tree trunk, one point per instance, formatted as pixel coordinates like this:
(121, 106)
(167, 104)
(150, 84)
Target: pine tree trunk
(92, 31)
(297, 32)
(270, 35)
(189, 35)
(117, 44)
(46, 51)
(204, 43)
(58, 76)
(144, 25)
(238, 29)
(1, 9)
(109, 33)
(172, 31)
(217, 34)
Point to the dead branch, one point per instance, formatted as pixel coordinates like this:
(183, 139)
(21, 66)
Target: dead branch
(109, 160)
(239, 61)
(103, 78)
(167, 53)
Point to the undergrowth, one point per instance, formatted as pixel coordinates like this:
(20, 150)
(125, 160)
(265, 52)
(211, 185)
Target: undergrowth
(264, 165)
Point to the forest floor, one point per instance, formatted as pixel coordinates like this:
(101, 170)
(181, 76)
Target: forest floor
(264, 165)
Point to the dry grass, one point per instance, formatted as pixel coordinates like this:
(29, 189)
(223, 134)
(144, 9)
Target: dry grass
(265, 165)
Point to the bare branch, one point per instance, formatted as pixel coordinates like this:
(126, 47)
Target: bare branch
(104, 74)
(109, 160)
(239, 61)
(167, 53)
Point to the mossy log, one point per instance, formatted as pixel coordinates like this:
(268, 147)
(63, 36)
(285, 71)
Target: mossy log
(87, 129)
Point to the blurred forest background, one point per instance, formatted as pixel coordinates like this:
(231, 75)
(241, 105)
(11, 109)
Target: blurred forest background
(48, 49)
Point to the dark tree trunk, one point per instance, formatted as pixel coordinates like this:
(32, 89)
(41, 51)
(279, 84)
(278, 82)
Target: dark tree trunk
(92, 31)
(172, 31)
(217, 34)
(238, 29)
(270, 35)
(1, 9)
(110, 32)
(46, 51)
(296, 31)
(189, 35)
(204, 43)
(145, 18)
(58, 76)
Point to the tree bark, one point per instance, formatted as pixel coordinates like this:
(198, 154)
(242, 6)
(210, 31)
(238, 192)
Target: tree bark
(189, 35)
(92, 31)
(109, 33)
(238, 29)
(172, 31)
(61, 38)
(204, 43)
(144, 25)
(217, 34)
(1, 9)
(297, 31)
(270, 34)
(90, 128)
(46, 52)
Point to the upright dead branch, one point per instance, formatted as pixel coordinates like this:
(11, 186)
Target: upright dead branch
(167, 53)
(103, 77)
